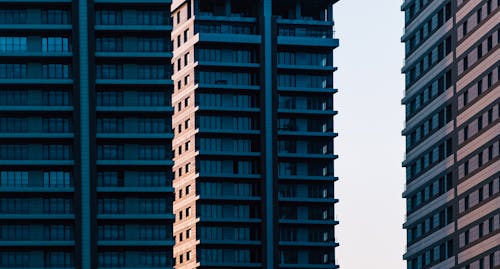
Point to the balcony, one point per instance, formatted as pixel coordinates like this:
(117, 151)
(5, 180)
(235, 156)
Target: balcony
(308, 244)
(166, 162)
(328, 133)
(228, 29)
(33, 189)
(135, 243)
(32, 135)
(316, 36)
(37, 216)
(135, 216)
(232, 264)
(212, 197)
(227, 131)
(309, 266)
(229, 109)
(308, 177)
(327, 200)
(132, 28)
(162, 2)
(307, 155)
(134, 54)
(36, 27)
(134, 82)
(228, 153)
(36, 162)
(137, 189)
(35, 108)
(37, 243)
(36, 81)
(243, 65)
(139, 136)
(220, 219)
(308, 222)
(240, 242)
(35, 54)
(134, 109)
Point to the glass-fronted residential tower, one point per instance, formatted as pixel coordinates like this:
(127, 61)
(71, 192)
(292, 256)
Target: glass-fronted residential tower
(99, 99)
(452, 131)
(85, 134)
(253, 134)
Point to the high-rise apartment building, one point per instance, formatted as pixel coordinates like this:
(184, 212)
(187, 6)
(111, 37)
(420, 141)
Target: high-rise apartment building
(85, 134)
(253, 133)
(98, 98)
(452, 133)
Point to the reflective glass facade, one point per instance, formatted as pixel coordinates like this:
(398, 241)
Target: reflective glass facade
(99, 99)
(85, 134)
(253, 134)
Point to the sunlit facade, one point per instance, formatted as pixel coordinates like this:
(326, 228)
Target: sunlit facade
(253, 134)
(452, 134)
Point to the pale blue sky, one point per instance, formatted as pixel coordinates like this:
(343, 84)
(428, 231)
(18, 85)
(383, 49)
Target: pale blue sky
(370, 145)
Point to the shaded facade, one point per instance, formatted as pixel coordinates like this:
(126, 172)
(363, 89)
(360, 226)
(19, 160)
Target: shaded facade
(85, 134)
(253, 134)
(452, 133)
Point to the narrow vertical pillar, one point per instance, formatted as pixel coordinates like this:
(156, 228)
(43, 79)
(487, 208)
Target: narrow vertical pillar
(269, 147)
(86, 257)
